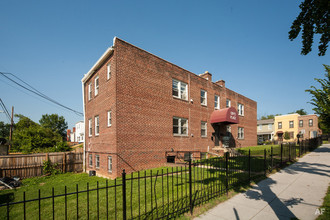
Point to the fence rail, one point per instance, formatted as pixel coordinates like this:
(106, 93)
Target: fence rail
(31, 165)
(154, 194)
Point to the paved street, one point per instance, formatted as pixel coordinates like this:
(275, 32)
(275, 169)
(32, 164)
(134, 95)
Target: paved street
(295, 192)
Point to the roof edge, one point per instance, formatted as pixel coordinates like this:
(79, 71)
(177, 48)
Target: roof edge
(98, 63)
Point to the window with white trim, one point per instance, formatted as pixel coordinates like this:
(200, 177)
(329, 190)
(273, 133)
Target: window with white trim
(228, 103)
(110, 164)
(279, 125)
(240, 109)
(216, 102)
(203, 97)
(203, 129)
(310, 122)
(179, 89)
(109, 118)
(109, 71)
(240, 133)
(97, 125)
(301, 123)
(96, 86)
(89, 91)
(90, 160)
(90, 129)
(180, 126)
(97, 161)
(291, 124)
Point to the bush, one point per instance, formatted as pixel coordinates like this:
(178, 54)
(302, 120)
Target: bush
(50, 169)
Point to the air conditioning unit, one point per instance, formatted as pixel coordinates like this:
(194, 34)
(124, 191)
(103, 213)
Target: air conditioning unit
(92, 173)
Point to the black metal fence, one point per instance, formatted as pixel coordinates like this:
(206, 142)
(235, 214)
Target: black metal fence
(154, 194)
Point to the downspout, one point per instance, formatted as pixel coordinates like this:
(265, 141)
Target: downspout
(84, 154)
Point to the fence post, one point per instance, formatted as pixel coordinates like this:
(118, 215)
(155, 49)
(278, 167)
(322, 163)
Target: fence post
(290, 152)
(300, 143)
(249, 165)
(124, 193)
(271, 158)
(265, 162)
(227, 170)
(281, 154)
(190, 188)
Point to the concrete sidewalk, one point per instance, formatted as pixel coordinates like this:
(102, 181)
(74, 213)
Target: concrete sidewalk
(295, 192)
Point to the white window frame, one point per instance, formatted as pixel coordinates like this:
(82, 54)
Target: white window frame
(203, 99)
(278, 125)
(203, 127)
(90, 163)
(90, 128)
(216, 102)
(291, 124)
(240, 135)
(301, 123)
(109, 70)
(240, 109)
(97, 85)
(97, 161)
(309, 122)
(228, 103)
(180, 127)
(109, 118)
(110, 164)
(89, 91)
(97, 125)
(182, 89)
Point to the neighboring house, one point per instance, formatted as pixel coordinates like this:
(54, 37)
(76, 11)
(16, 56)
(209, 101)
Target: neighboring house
(265, 130)
(304, 125)
(142, 111)
(80, 132)
(73, 135)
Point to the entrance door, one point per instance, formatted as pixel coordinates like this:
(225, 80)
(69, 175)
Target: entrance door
(216, 135)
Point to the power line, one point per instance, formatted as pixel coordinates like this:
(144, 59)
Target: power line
(5, 109)
(36, 92)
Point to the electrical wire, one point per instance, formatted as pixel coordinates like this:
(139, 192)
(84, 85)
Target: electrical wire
(36, 92)
(5, 109)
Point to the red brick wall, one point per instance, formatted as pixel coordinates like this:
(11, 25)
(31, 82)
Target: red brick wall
(140, 96)
(306, 126)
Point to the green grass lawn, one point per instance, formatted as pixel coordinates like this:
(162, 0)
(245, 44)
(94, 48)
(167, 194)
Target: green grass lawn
(148, 197)
(325, 207)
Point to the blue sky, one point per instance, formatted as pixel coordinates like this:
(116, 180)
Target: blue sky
(52, 44)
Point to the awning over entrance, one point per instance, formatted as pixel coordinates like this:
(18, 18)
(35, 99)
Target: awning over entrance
(226, 115)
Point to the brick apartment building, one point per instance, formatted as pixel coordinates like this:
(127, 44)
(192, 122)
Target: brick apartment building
(142, 111)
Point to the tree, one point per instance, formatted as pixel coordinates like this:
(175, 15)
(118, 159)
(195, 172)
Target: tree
(300, 112)
(314, 19)
(268, 117)
(286, 135)
(55, 123)
(4, 130)
(321, 100)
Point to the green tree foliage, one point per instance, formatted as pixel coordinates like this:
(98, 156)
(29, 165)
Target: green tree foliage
(313, 19)
(300, 112)
(286, 135)
(29, 137)
(321, 100)
(4, 130)
(56, 123)
(268, 117)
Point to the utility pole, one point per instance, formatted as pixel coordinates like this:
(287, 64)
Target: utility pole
(11, 127)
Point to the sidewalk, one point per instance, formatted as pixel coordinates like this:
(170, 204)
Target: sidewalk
(295, 192)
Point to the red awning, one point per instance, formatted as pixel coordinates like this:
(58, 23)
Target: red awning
(279, 132)
(226, 115)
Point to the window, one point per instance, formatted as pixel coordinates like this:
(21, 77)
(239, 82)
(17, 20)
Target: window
(203, 97)
(228, 103)
(97, 126)
(97, 161)
(90, 129)
(89, 91)
(90, 160)
(203, 129)
(179, 89)
(228, 128)
(270, 126)
(110, 164)
(96, 86)
(180, 126)
(216, 102)
(310, 122)
(109, 71)
(301, 123)
(279, 125)
(290, 124)
(240, 108)
(109, 118)
(259, 127)
(240, 133)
